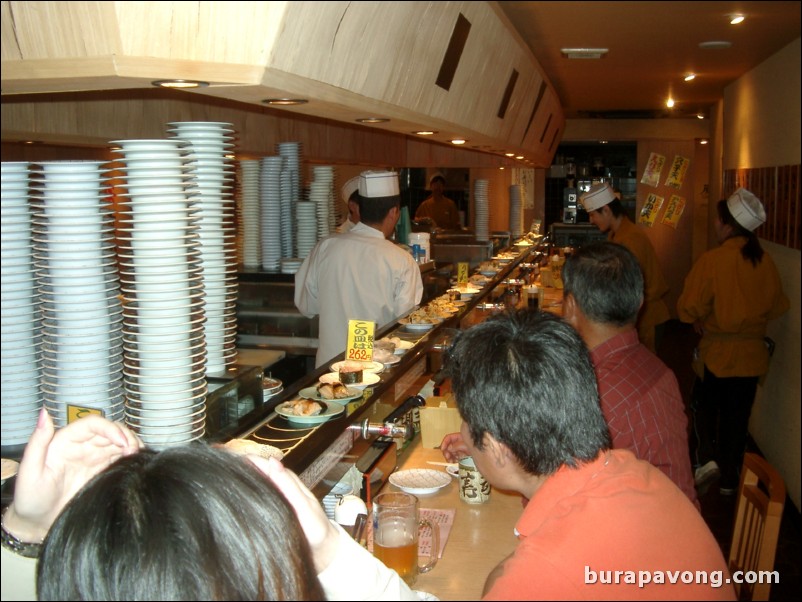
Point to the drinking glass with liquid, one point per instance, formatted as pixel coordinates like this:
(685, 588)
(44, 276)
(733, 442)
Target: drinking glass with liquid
(396, 529)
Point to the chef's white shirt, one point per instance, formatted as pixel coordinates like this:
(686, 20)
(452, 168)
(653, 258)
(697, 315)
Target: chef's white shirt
(358, 275)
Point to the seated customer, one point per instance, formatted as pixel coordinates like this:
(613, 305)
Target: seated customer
(639, 394)
(525, 388)
(189, 522)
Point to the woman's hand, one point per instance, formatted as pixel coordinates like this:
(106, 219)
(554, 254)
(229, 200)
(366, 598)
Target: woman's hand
(321, 534)
(57, 464)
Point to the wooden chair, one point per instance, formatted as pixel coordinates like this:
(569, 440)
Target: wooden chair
(761, 499)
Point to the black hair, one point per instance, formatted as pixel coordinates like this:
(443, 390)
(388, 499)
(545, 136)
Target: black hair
(525, 378)
(752, 250)
(187, 523)
(616, 207)
(436, 178)
(606, 281)
(374, 210)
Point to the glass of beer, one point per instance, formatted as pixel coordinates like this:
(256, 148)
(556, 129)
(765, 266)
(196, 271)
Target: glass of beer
(396, 528)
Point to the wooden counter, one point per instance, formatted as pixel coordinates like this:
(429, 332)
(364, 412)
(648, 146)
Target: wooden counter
(481, 536)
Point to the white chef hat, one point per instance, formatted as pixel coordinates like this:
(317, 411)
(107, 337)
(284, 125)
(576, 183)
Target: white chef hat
(598, 196)
(349, 188)
(373, 184)
(435, 175)
(747, 209)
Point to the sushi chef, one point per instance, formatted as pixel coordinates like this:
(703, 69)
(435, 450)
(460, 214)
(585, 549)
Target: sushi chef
(360, 274)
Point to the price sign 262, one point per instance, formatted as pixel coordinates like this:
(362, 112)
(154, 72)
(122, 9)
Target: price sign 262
(360, 340)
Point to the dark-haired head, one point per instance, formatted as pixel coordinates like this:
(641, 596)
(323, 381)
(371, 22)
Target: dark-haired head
(187, 523)
(751, 250)
(526, 378)
(606, 281)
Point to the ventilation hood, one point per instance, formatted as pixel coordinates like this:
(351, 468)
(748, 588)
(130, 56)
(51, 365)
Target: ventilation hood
(457, 68)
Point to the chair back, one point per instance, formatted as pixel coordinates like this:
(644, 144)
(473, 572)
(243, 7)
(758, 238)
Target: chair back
(761, 499)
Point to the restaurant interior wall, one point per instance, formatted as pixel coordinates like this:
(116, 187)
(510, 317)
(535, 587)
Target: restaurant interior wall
(761, 130)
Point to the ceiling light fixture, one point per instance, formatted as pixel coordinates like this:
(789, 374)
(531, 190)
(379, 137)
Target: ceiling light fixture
(703, 141)
(519, 157)
(285, 102)
(509, 154)
(715, 45)
(670, 103)
(690, 77)
(179, 83)
(458, 141)
(584, 53)
(426, 133)
(735, 19)
(373, 120)
(700, 116)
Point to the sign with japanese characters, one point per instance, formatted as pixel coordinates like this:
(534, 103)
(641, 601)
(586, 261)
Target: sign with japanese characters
(676, 205)
(650, 210)
(651, 175)
(360, 340)
(676, 174)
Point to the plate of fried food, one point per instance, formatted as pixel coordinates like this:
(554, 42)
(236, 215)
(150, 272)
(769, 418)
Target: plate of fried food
(305, 412)
(335, 391)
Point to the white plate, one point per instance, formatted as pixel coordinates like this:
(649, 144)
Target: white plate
(374, 367)
(368, 378)
(394, 359)
(418, 327)
(420, 481)
(330, 410)
(311, 393)
(453, 470)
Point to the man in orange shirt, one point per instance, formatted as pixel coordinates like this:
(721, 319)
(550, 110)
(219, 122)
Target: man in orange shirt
(441, 209)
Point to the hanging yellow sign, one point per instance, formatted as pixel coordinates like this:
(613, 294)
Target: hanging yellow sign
(650, 210)
(360, 340)
(76, 412)
(676, 205)
(463, 267)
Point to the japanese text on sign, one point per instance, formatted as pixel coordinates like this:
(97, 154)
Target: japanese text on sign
(462, 272)
(360, 340)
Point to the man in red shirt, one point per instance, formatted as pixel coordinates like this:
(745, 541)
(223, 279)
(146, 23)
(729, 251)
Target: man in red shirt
(639, 394)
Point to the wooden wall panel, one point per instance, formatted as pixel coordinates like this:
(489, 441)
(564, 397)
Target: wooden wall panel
(779, 189)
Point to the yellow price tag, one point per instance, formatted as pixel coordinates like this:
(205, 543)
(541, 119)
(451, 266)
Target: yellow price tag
(76, 412)
(360, 340)
(462, 272)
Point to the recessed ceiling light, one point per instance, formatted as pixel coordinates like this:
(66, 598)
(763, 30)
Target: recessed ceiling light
(703, 141)
(519, 157)
(735, 19)
(670, 103)
(425, 133)
(700, 116)
(285, 102)
(715, 45)
(690, 77)
(179, 83)
(509, 154)
(458, 141)
(373, 120)
(584, 53)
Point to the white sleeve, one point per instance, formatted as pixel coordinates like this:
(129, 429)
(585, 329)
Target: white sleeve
(18, 576)
(356, 575)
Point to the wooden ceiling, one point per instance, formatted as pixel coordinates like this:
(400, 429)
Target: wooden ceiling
(652, 45)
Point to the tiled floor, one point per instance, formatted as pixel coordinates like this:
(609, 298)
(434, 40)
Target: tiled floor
(719, 510)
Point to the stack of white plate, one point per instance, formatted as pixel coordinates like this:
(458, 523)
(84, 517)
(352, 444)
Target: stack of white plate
(306, 212)
(290, 194)
(321, 192)
(516, 213)
(213, 172)
(76, 269)
(270, 211)
(481, 209)
(162, 283)
(248, 212)
(20, 312)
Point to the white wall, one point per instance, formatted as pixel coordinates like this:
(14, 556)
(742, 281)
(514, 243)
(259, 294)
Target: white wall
(761, 128)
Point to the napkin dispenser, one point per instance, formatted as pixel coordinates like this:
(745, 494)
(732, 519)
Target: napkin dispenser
(438, 418)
